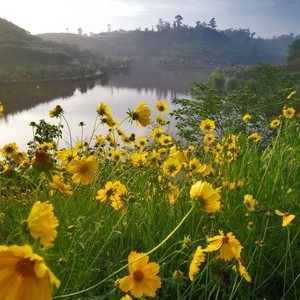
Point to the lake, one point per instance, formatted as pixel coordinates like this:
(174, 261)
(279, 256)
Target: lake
(122, 89)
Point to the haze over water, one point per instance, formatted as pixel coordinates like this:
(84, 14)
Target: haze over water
(27, 103)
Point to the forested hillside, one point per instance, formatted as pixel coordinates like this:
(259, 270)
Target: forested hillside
(182, 44)
(25, 56)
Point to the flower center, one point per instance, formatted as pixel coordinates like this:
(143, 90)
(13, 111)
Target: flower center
(138, 275)
(83, 168)
(25, 267)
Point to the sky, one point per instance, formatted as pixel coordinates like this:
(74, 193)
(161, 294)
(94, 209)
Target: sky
(267, 18)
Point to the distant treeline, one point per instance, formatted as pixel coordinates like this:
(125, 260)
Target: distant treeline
(180, 44)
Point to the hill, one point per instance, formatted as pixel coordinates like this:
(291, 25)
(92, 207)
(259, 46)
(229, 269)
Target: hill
(185, 45)
(24, 56)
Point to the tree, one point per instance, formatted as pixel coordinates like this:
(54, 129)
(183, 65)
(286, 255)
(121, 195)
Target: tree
(178, 20)
(79, 30)
(212, 23)
(294, 51)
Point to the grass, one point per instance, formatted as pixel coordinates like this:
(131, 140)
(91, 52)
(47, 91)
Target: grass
(94, 240)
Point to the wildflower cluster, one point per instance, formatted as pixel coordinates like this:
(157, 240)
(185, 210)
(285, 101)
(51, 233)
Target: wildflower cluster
(207, 211)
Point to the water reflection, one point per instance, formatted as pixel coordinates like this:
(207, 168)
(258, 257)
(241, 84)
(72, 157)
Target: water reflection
(29, 102)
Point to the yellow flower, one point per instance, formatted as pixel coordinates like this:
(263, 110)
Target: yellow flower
(56, 112)
(292, 94)
(228, 245)
(198, 258)
(126, 297)
(142, 114)
(207, 125)
(103, 110)
(209, 138)
(139, 159)
(275, 123)
(243, 272)
(61, 186)
(195, 166)
(141, 142)
(9, 150)
(247, 118)
(173, 193)
(287, 218)
(143, 278)
(254, 137)
(162, 106)
(250, 202)
(1, 109)
(24, 275)
(83, 169)
(288, 112)
(208, 196)
(156, 133)
(113, 190)
(41, 222)
(171, 167)
(160, 120)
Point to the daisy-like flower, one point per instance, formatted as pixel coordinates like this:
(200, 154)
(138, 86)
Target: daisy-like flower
(287, 218)
(250, 202)
(275, 123)
(247, 118)
(195, 165)
(171, 167)
(126, 297)
(156, 133)
(56, 112)
(160, 120)
(288, 112)
(41, 223)
(9, 150)
(66, 155)
(24, 275)
(198, 258)
(103, 110)
(228, 246)
(165, 140)
(254, 137)
(207, 125)
(139, 159)
(143, 278)
(60, 185)
(162, 106)
(208, 197)
(209, 138)
(112, 190)
(141, 114)
(292, 94)
(83, 169)
(141, 142)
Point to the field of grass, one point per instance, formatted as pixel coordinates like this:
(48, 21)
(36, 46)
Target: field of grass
(124, 217)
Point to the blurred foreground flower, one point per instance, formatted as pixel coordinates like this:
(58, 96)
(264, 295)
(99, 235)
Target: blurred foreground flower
(24, 275)
(208, 196)
(143, 278)
(41, 223)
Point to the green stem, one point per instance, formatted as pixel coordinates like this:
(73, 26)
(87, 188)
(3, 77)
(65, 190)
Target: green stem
(125, 266)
